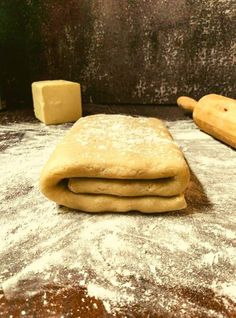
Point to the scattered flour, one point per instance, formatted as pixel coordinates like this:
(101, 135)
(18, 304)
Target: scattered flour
(122, 259)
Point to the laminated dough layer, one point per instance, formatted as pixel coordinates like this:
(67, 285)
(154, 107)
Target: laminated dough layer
(117, 163)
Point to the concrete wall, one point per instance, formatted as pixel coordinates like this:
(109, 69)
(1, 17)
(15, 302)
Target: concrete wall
(121, 51)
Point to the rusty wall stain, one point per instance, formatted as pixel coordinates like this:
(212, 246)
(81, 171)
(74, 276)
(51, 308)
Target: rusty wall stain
(146, 52)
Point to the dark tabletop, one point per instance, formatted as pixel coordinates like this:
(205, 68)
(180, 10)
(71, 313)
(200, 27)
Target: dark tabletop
(57, 262)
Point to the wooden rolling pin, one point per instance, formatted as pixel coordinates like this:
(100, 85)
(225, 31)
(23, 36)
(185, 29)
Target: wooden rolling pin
(214, 114)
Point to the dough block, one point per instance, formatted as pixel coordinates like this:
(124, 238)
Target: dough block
(216, 115)
(117, 163)
(57, 101)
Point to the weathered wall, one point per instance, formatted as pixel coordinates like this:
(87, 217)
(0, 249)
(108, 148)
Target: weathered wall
(121, 51)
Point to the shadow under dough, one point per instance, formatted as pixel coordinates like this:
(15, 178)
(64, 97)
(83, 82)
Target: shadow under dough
(196, 196)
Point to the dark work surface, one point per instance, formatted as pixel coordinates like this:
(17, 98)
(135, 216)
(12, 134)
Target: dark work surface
(146, 52)
(169, 112)
(56, 262)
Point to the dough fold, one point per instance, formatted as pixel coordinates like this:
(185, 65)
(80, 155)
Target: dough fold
(117, 163)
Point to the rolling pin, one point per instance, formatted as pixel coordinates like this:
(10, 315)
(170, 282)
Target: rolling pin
(214, 114)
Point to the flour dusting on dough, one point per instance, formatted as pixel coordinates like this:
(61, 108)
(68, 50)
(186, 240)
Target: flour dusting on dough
(120, 134)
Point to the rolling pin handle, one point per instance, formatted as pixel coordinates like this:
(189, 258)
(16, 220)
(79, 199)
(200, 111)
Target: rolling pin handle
(186, 103)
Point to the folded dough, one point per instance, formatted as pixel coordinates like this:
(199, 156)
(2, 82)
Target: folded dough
(117, 163)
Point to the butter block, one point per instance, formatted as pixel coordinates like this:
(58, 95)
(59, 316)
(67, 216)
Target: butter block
(57, 101)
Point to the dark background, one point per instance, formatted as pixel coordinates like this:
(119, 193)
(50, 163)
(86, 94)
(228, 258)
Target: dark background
(132, 52)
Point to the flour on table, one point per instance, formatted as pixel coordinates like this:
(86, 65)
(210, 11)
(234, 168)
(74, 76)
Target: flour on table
(121, 259)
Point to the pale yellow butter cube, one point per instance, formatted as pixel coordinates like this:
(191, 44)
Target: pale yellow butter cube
(57, 101)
